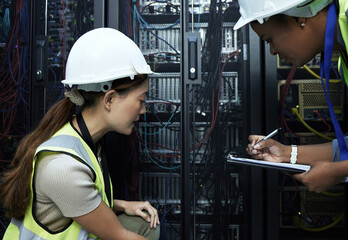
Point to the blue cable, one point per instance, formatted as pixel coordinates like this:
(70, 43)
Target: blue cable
(148, 153)
(165, 125)
(134, 22)
(54, 54)
(147, 40)
(166, 212)
(159, 37)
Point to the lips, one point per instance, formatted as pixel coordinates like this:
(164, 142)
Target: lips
(284, 59)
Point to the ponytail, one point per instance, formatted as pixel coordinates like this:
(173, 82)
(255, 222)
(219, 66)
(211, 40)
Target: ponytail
(15, 182)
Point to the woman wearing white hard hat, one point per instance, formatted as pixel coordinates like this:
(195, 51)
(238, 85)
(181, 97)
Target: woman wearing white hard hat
(56, 187)
(297, 30)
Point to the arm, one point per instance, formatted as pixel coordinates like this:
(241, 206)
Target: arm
(69, 183)
(323, 174)
(271, 150)
(103, 223)
(307, 154)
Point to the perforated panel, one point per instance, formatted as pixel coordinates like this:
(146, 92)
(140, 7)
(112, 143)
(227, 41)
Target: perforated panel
(318, 99)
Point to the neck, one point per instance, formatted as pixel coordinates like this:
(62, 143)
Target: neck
(94, 124)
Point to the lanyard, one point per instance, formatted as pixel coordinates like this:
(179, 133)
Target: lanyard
(88, 139)
(85, 133)
(325, 64)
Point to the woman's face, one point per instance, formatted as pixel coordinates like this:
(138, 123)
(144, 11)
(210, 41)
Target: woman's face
(295, 44)
(127, 109)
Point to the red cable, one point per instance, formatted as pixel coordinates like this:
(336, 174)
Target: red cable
(214, 110)
(214, 116)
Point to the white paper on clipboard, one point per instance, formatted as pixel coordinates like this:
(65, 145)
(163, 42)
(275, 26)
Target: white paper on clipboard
(284, 167)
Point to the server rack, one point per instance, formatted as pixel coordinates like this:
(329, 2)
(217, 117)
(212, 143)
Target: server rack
(55, 26)
(192, 123)
(215, 200)
(14, 81)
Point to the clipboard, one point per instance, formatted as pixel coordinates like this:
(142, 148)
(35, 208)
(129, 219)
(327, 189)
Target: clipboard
(284, 167)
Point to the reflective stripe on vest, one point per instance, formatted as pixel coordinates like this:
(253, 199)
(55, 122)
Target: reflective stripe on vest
(26, 234)
(67, 141)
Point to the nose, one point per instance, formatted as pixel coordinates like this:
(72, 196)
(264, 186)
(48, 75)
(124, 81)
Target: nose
(143, 109)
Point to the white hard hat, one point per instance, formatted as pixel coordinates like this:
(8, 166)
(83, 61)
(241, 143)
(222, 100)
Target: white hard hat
(100, 56)
(259, 10)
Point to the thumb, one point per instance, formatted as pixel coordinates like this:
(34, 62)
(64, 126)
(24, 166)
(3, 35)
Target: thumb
(143, 215)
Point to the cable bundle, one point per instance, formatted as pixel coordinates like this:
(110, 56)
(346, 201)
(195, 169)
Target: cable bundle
(14, 75)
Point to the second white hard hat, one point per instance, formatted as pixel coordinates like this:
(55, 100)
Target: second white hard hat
(251, 10)
(101, 56)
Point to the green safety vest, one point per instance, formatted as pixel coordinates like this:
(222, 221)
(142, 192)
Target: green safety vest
(342, 21)
(67, 141)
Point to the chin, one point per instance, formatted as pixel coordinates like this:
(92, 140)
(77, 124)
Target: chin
(128, 131)
(125, 131)
(297, 64)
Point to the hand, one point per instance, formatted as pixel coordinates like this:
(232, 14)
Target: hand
(320, 177)
(269, 150)
(136, 208)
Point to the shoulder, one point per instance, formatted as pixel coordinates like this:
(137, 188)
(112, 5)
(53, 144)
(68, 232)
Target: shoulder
(67, 182)
(60, 168)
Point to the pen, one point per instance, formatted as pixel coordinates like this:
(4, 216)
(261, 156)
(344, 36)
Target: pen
(267, 137)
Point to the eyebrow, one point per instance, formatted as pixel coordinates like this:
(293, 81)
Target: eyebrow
(146, 93)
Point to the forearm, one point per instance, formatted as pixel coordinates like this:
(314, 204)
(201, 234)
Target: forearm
(340, 169)
(119, 205)
(308, 153)
(103, 223)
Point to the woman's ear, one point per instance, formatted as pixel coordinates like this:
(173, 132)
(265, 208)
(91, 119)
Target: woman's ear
(301, 21)
(109, 98)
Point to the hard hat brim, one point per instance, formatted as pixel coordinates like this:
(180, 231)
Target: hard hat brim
(78, 82)
(243, 21)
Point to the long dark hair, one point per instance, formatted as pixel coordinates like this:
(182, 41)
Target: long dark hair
(15, 182)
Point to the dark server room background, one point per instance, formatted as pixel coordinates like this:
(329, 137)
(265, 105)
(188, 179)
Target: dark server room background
(176, 155)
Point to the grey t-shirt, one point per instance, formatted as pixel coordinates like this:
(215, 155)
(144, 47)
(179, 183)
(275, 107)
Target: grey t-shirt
(64, 189)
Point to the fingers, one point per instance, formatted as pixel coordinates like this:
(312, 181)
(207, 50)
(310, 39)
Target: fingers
(254, 144)
(253, 139)
(255, 151)
(153, 219)
(256, 154)
(313, 187)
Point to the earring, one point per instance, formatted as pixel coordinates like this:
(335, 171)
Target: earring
(302, 25)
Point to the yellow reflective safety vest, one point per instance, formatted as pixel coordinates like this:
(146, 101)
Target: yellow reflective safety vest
(343, 24)
(66, 141)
